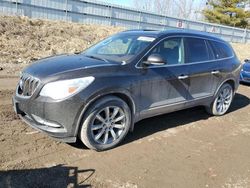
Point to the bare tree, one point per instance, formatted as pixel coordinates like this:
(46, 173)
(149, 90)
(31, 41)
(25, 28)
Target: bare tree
(183, 8)
(147, 5)
(177, 8)
(163, 7)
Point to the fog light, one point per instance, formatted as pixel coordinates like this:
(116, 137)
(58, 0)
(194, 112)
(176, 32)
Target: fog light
(46, 122)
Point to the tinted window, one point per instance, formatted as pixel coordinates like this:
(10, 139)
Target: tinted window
(116, 47)
(195, 50)
(210, 50)
(221, 50)
(121, 47)
(170, 50)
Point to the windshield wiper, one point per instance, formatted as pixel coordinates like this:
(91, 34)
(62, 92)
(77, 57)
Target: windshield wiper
(99, 58)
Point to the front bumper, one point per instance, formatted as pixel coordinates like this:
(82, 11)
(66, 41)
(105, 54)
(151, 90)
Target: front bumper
(58, 119)
(245, 77)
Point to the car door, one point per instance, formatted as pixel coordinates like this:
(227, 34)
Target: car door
(167, 85)
(199, 60)
(223, 54)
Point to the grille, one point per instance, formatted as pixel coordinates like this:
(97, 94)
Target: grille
(27, 85)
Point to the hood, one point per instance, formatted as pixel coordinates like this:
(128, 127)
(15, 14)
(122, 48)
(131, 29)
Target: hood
(246, 67)
(62, 63)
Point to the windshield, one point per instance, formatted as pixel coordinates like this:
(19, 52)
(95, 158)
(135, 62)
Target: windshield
(119, 48)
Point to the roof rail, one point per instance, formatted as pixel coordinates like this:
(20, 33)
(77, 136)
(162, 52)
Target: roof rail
(139, 30)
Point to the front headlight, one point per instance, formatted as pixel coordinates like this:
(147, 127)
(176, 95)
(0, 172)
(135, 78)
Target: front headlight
(65, 88)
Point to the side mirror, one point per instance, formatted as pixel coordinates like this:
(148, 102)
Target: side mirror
(155, 59)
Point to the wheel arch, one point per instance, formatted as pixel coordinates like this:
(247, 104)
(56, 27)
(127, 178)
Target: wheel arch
(210, 108)
(230, 81)
(124, 95)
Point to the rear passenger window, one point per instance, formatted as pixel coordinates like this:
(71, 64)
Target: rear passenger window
(195, 50)
(221, 50)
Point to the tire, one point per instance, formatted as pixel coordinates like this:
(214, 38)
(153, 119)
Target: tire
(101, 133)
(222, 101)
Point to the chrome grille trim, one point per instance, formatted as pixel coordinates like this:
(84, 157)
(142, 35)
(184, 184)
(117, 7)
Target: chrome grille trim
(27, 85)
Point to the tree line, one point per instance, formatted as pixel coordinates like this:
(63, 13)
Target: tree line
(227, 12)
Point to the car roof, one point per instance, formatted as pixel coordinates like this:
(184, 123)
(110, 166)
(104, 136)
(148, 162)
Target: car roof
(171, 32)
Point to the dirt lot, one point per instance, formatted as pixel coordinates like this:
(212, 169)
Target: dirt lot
(181, 149)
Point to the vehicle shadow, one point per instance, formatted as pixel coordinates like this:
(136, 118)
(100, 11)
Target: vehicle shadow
(245, 84)
(58, 176)
(240, 101)
(155, 124)
(159, 123)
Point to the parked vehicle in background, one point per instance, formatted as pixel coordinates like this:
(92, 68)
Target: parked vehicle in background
(245, 72)
(99, 94)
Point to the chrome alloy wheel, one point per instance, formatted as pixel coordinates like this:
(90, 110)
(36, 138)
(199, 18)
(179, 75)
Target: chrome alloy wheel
(224, 99)
(108, 125)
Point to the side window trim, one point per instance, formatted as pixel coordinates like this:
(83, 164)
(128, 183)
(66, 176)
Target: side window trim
(182, 52)
(211, 54)
(220, 51)
(214, 50)
(182, 57)
(207, 50)
(138, 64)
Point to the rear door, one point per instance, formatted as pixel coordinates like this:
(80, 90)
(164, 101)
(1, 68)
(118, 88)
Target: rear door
(199, 59)
(224, 56)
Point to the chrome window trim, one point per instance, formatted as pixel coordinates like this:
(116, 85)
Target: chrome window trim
(179, 64)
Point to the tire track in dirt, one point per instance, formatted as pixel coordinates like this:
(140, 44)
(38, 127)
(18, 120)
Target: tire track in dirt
(187, 143)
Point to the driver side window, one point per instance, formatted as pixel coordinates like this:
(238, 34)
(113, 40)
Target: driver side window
(171, 50)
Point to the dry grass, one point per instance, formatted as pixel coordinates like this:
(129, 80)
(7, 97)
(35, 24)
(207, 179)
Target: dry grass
(23, 40)
(242, 50)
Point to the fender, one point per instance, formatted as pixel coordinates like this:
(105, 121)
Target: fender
(224, 81)
(102, 93)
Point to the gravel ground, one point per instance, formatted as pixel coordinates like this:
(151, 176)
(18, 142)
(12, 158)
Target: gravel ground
(183, 149)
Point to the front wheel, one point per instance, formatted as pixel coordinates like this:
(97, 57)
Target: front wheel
(106, 123)
(222, 101)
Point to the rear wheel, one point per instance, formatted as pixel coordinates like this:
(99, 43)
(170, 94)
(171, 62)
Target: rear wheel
(106, 123)
(222, 101)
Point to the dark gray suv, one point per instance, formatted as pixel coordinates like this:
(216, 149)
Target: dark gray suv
(99, 94)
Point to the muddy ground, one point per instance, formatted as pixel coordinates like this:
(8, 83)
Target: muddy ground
(183, 149)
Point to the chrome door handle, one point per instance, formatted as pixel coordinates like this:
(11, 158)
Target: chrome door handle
(182, 77)
(215, 72)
